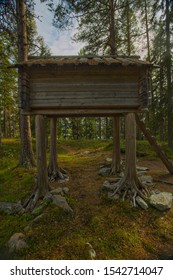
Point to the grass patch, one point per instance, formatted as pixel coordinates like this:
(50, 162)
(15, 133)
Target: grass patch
(114, 229)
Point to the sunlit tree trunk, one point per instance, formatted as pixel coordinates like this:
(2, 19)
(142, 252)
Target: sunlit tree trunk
(26, 153)
(168, 74)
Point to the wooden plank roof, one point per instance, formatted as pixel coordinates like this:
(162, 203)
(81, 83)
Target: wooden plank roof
(84, 60)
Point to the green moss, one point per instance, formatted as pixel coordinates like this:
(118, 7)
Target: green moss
(115, 229)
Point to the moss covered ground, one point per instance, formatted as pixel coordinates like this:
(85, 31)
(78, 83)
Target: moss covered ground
(114, 229)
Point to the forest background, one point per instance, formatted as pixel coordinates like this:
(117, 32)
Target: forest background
(104, 27)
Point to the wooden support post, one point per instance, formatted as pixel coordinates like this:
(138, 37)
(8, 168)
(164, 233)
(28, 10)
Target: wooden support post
(53, 145)
(54, 171)
(116, 146)
(130, 142)
(129, 185)
(42, 176)
(151, 139)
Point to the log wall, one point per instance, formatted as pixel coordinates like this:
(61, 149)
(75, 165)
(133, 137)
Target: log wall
(54, 90)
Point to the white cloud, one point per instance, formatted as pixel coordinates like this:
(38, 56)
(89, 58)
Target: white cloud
(60, 43)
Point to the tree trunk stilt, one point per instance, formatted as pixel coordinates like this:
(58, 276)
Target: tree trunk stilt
(116, 159)
(54, 171)
(130, 185)
(42, 186)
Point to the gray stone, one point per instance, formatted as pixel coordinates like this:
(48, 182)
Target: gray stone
(65, 190)
(59, 190)
(104, 171)
(61, 202)
(155, 191)
(141, 168)
(48, 197)
(113, 197)
(11, 208)
(17, 242)
(146, 179)
(162, 201)
(108, 186)
(109, 159)
(27, 228)
(141, 203)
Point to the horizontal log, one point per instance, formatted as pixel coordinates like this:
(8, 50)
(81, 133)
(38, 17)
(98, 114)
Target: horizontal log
(56, 86)
(81, 112)
(82, 95)
(84, 102)
(111, 79)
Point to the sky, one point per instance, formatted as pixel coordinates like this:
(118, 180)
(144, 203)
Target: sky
(60, 43)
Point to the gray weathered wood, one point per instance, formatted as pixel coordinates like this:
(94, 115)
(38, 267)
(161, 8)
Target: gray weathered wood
(42, 175)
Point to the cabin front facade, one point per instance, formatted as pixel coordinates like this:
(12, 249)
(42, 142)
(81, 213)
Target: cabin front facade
(83, 86)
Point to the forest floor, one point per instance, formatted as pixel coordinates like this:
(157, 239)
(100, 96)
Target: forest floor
(113, 228)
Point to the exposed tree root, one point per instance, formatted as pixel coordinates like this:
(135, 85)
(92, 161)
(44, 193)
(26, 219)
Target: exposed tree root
(129, 189)
(57, 174)
(34, 199)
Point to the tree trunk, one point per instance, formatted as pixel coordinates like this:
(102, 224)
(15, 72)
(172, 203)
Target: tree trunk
(42, 178)
(42, 186)
(5, 122)
(130, 185)
(116, 126)
(54, 171)
(26, 153)
(116, 159)
(147, 31)
(128, 29)
(168, 74)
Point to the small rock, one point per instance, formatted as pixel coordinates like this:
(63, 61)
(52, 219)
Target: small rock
(57, 191)
(62, 203)
(113, 197)
(108, 186)
(92, 252)
(48, 197)
(155, 191)
(17, 242)
(146, 179)
(141, 168)
(162, 201)
(87, 152)
(27, 228)
(141, 203)
(65, 190)
(65, 179)
(104, 171)
(109, 159)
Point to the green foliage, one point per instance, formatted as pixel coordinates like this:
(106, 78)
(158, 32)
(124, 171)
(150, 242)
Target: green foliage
(97, 220)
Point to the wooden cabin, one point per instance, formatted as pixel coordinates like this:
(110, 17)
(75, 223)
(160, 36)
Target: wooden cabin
(83, 86)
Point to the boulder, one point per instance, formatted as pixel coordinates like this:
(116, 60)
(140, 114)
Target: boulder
(141, 203)
(11, 208)
(17, 242)
(104, 171)
(162, 201)
(61, 202)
